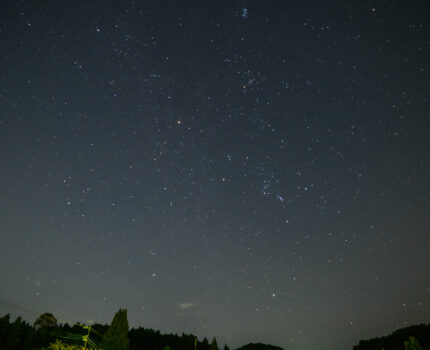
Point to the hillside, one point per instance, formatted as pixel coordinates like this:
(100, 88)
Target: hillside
(259, 346)
(395, 341)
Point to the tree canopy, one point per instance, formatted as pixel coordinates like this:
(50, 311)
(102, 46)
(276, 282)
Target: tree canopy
(45, 320)
(116, 337)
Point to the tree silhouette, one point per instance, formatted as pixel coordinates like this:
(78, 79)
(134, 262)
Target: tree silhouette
(45, 320)
(4, 328)
(204, 345)
(116, 337)
(214, 344)
(14, 334)
(396, 340)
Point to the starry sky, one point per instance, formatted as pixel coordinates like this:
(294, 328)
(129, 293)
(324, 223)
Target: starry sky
(251, 170)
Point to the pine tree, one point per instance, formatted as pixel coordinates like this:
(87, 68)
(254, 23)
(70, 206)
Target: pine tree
(116, 337)
(214, 344)
(205, 344)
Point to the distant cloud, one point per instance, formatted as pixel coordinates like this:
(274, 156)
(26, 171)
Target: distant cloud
(186, 305)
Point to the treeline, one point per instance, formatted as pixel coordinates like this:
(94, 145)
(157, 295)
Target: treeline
(396, 340)
(143, 338)
(20, 335)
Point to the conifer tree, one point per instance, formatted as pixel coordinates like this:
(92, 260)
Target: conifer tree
(214, 344)
(116, 337)
(205, 343)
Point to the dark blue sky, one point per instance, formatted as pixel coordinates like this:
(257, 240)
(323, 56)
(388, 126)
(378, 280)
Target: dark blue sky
(250, 170)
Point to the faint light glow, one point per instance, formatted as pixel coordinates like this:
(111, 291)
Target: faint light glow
(186, 305)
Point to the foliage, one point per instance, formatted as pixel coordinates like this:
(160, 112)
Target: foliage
(21, 335)
(58, 345)
(412, 344)
(116, 337)
(46, 320)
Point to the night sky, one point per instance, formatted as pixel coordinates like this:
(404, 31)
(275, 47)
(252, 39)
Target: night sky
(251, 170)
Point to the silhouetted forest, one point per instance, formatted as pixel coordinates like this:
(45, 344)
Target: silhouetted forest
(396, 340)
(46, 333)
(20, 335)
